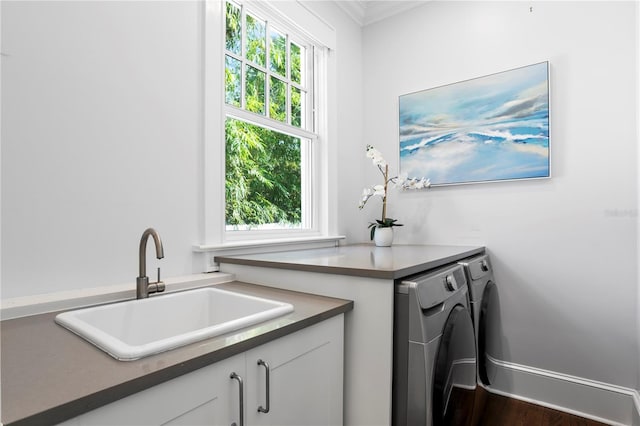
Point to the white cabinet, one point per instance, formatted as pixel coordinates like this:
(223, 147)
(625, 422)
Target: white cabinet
(305, 387)
(204, 397)
(306, 375)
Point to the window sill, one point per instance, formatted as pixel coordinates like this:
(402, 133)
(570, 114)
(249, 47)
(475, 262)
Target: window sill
(208, 252)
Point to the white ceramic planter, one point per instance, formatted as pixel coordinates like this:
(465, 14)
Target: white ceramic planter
(383, 237)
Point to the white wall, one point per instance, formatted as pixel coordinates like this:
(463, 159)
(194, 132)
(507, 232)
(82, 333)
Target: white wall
(348, 113)
(102, 137)
(564, 249)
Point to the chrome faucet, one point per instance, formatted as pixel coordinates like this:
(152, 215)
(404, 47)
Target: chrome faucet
(143, 286)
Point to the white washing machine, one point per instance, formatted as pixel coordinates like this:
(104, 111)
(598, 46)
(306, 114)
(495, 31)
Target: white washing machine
(483, 304)
(434, 374)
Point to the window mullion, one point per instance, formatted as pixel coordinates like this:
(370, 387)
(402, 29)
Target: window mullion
(256, 66)
(310, 84)
(267, 71)
(243, 66)
(233, 55)
(287, 71)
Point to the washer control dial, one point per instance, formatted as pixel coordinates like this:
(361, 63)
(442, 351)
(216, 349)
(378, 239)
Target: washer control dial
(484, 266)
(450, 282)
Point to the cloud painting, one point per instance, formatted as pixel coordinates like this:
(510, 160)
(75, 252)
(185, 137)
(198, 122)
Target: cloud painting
(486, 129)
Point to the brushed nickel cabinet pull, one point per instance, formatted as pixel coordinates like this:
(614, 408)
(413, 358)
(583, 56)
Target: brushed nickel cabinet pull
(241, 392)
(262, 409)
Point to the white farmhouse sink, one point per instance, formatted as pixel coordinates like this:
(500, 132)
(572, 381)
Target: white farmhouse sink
(138, 328)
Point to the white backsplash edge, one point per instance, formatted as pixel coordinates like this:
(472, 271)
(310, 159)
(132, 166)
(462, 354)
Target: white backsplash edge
(42, 303)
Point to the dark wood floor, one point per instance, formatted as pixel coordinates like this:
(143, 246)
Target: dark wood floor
(503, 411)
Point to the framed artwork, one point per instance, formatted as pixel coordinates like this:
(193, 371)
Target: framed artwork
(485, 129)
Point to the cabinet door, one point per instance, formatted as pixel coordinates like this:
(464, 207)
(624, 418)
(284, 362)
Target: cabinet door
(207, 396)
(306, 371)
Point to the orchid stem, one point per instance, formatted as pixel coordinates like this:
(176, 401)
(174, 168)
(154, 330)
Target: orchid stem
(384, 199)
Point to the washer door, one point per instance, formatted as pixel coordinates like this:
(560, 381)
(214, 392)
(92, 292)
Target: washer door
(488, 297)
(454, 383)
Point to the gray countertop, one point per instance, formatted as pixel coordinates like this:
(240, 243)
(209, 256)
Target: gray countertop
(49, 374)
(365, 260)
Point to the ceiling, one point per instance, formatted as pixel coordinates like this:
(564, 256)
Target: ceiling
(366, 12)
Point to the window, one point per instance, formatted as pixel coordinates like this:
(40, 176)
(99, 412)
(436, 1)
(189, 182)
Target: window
(269, 124)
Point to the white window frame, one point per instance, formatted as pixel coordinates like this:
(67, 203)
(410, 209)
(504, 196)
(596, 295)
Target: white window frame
(213, 234)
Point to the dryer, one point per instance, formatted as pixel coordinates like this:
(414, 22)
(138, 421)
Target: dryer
(482, 301)
(434, 375)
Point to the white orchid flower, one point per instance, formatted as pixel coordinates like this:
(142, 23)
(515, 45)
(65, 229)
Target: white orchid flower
(379, 161)
(372, 152)
(379, 190)
(376, 156)
(413, 183)
(401, 180)
(366, 194)
(425, 183)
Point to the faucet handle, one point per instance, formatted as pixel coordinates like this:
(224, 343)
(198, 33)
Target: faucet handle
(158, 286)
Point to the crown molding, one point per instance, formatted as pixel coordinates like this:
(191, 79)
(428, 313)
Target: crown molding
(365, 12)
(355, 9)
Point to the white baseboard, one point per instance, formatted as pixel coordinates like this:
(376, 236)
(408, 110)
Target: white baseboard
(636, 412)
(603, 402)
